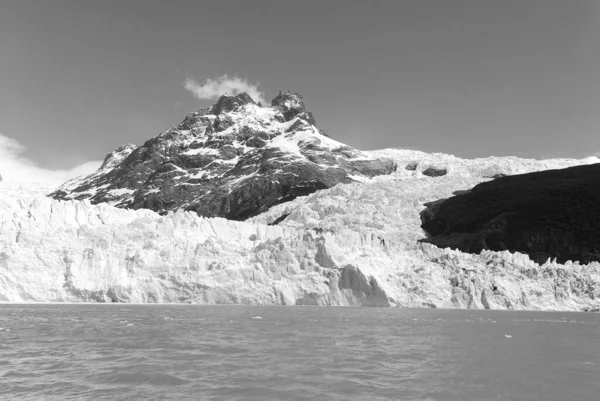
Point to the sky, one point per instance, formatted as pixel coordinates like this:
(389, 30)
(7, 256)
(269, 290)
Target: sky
(473, 78)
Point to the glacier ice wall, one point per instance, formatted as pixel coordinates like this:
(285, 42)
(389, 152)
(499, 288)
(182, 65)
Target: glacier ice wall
(354, 244)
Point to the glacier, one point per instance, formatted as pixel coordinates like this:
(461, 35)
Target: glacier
(354, 244)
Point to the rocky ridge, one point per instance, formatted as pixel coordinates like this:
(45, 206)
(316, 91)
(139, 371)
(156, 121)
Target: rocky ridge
(234, 159)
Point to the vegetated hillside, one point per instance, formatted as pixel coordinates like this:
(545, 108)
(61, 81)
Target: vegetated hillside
(547, 214)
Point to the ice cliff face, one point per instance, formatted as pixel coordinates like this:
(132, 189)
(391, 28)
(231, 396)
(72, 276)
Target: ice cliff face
(235, 159)
(353, 244)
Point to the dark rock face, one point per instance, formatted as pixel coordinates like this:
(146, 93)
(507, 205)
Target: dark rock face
(233, 160)
(292, 105)
(435, 172)
(412, 166)
(554, 213)
(230, 103)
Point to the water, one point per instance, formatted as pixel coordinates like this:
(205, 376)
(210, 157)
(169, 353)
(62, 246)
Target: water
(184, 352)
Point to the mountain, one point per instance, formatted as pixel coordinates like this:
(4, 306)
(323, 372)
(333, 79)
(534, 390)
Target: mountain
(545, 214)
(234, 159)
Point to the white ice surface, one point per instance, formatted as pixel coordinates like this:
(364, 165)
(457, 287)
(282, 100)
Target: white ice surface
(354, 244)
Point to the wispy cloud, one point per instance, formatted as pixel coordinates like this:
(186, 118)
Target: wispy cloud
(17, 168)
(231, 85)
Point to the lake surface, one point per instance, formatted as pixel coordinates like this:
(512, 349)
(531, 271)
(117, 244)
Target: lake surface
(187, 352)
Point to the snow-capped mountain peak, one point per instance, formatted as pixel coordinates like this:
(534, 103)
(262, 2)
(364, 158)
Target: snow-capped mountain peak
(234, 159)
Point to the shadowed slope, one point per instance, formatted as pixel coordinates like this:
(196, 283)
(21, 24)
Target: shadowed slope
(554, 213)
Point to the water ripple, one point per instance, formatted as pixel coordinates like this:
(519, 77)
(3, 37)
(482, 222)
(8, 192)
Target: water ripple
(203, 352)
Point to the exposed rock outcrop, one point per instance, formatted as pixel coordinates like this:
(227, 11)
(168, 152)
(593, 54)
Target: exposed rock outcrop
(412, 166)
(435, 172)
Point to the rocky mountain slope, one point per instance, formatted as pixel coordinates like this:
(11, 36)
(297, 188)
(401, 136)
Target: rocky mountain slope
(553, 213)
(235, 159)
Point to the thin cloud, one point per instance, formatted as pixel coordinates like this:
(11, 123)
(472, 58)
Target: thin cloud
(225, 84)
(17, 168)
